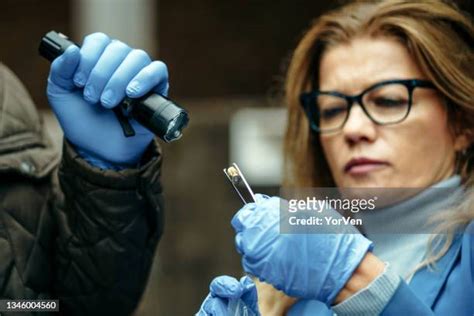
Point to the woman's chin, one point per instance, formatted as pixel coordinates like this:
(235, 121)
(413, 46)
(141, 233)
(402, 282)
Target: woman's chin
(369, 180)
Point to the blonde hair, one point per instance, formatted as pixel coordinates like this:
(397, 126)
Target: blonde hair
(439, 38)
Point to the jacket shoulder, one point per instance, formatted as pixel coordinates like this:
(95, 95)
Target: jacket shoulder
(25, 146)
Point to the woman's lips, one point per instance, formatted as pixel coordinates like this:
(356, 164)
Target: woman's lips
(363, 165)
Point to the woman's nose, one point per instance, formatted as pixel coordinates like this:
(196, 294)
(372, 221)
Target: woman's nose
(359, 127)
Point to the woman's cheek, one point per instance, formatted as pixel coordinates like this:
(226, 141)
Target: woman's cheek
(336, 159)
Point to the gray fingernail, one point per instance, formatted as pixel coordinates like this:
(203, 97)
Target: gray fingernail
(133, 87)
(79, 79)
(89, 93)
(107, 97)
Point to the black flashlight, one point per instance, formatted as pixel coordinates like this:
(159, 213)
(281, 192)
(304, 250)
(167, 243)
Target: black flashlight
(159, 114)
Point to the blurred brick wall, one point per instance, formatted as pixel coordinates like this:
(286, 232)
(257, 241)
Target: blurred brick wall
(22, 24)
(225, 48)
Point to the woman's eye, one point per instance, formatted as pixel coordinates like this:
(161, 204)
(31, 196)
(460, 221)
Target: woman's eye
(332, 112)
(389, 102)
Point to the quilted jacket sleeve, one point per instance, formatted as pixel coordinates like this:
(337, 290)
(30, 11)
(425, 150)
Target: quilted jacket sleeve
(109, 225)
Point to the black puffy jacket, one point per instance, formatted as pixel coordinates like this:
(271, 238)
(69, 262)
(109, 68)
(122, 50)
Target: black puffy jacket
(69, 231)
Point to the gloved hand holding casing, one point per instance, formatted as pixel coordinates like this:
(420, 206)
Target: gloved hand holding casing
(310, 266)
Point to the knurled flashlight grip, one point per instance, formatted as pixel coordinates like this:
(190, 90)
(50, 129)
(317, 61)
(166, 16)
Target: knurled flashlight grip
(157, 113)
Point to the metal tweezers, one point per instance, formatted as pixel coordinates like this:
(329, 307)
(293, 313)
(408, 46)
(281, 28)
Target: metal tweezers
(239, 183)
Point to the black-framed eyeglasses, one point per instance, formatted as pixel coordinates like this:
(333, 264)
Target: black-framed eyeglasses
(385, 103)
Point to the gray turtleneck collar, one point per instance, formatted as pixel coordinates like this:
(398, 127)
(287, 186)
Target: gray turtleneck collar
(400, 232)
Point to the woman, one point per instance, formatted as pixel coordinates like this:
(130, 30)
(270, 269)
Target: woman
(387, 89)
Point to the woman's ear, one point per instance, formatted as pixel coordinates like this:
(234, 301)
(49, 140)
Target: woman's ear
(463, 140)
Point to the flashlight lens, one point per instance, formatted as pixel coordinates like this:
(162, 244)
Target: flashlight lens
(175, 126)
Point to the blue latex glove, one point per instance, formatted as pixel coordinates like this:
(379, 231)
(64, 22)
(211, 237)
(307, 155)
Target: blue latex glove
(224, 289)
(108, 70)
(309, 266)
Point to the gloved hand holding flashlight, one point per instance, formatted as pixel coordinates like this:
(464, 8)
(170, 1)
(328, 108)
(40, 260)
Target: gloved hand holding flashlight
(85, 83)
(308, 266)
